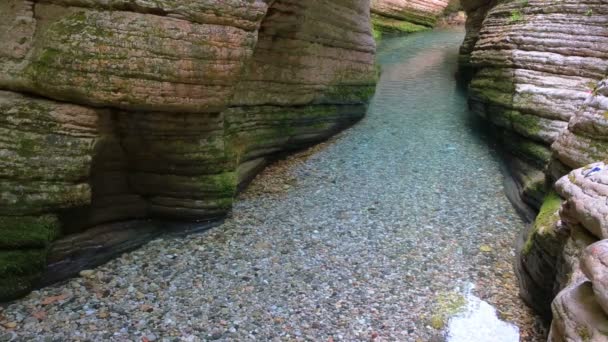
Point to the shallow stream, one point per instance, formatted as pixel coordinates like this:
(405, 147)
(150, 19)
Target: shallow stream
(396, 230)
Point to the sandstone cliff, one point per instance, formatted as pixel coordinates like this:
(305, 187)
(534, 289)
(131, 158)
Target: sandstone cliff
(406, 15)
(123, 110)
(538, 75)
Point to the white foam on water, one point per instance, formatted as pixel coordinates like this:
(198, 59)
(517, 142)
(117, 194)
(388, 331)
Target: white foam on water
(480, 323)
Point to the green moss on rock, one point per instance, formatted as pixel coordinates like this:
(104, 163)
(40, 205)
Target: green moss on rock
(20, 269)
(23, 251)
(27, 231)
(22, 261)
(545, 221)
(349, 94)
(390, 25)
(536, 153)
(447, 305)
(224, 183)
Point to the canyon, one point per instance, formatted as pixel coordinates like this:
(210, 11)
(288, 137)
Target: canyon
(125, 120)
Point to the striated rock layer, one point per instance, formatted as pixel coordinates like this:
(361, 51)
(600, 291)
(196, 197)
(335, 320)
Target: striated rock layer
(537, 63)
(539, 73)
(580, 309)
(130, 110)
(406, 15)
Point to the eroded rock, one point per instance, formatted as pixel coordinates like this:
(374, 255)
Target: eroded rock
(594, 264)
(580, 308)
(538, 72)
(406, 15)
(536, 78)
(159, 110)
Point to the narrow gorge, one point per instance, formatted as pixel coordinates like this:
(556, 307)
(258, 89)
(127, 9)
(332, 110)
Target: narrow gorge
(177, 171)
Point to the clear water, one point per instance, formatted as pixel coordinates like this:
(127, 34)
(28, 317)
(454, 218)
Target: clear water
(391, 216)
(478, 321)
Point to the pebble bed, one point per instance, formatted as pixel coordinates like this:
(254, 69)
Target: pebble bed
(358, 239)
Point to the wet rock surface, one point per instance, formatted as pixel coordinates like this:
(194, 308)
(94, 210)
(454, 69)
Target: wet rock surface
(362, 238)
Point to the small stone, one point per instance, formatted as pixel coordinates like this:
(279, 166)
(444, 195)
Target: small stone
(10, 325)
(146, 308)
(8, 336)
(87, 273)
(485, 248)
(30, 320)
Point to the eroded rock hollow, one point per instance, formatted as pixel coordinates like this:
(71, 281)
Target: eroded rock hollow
(122, 111)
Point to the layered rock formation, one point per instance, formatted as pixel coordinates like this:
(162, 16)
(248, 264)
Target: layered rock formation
(538, 74)
(406, 15)
(580, 310)
(123, 110)
(536, 63)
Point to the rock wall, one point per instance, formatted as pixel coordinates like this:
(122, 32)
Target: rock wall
(406, 15)
(580, 309)
(130, 110)
(536, 63)
(538, 73)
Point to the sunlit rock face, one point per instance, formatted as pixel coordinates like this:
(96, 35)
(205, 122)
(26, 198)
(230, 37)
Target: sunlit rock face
(124, 110)
(539, 73)
(406, 15)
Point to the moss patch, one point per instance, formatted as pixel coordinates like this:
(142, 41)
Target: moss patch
(348, 94)
(27, 231)
(377, 33)
(225, 183)
(22, 261)
(15, 286)
(447, 305)
(19, 270)
(535, 153)
(516, 17)
(390, 25)
(23, 251)
(528, 124)
(545, 221)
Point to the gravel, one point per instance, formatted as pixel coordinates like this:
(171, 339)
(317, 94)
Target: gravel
(355, 239)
